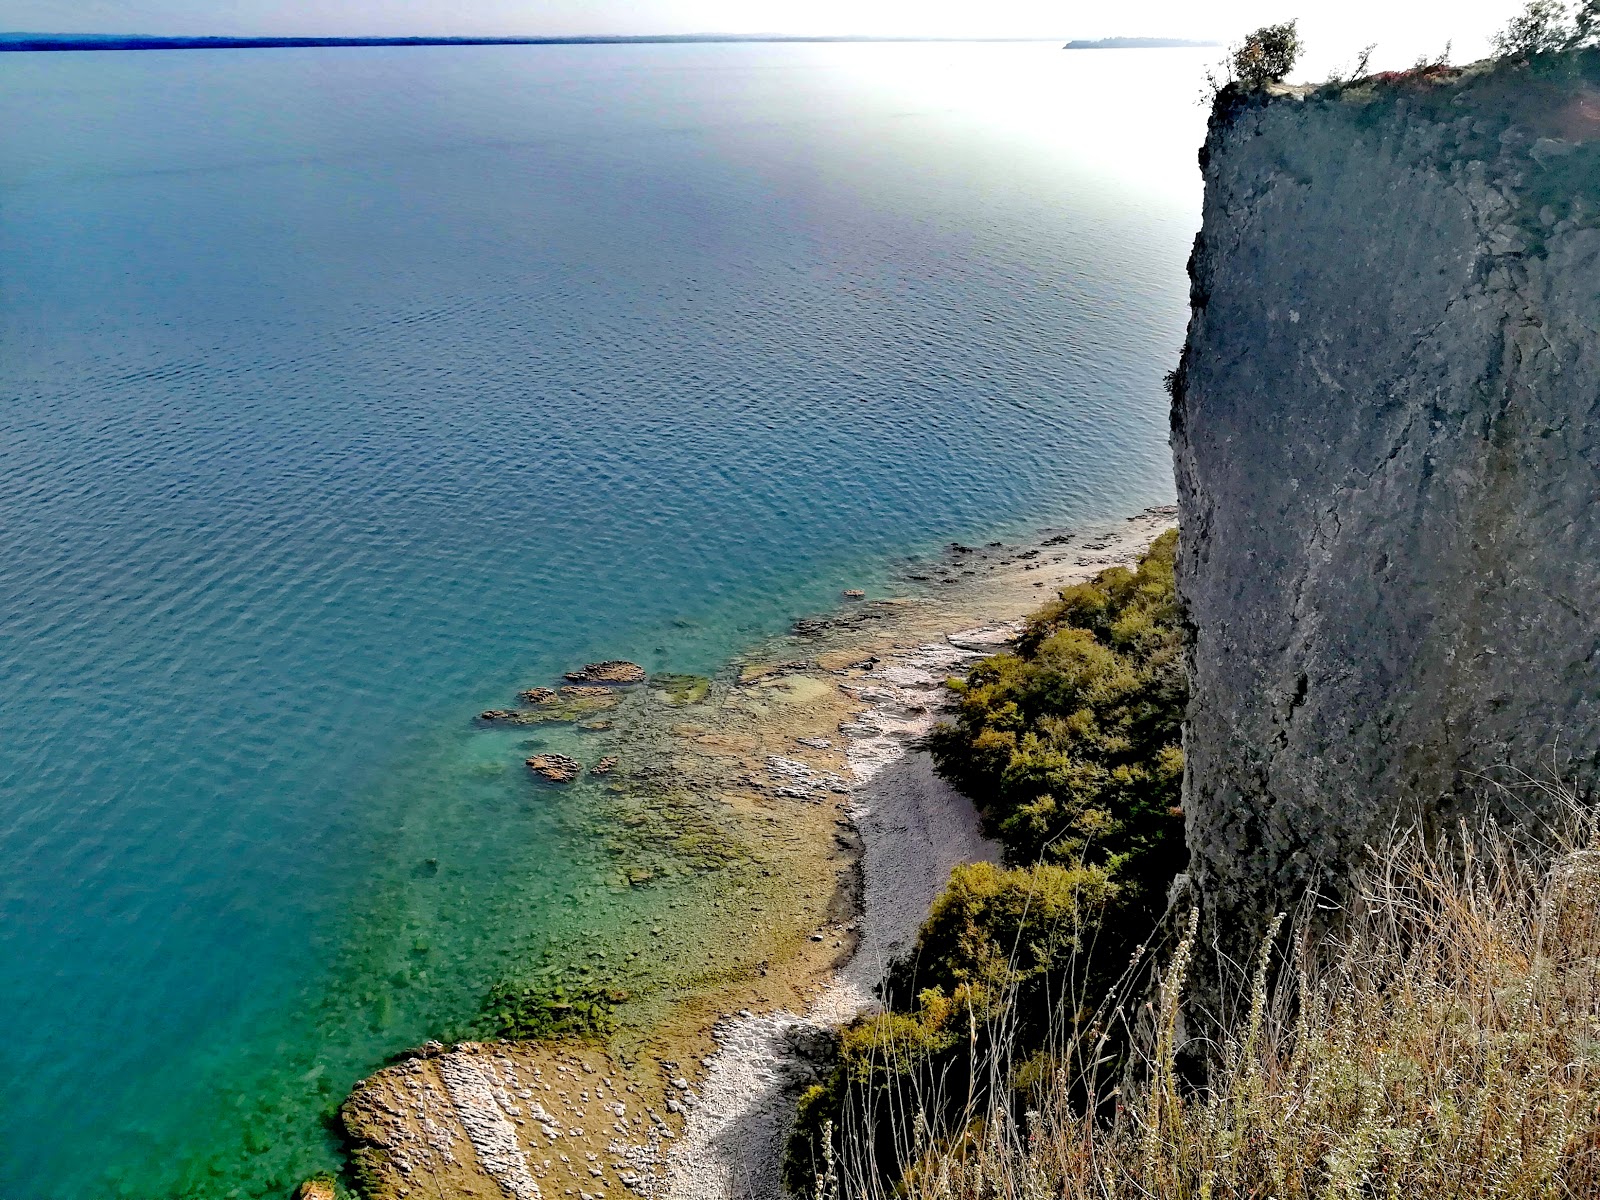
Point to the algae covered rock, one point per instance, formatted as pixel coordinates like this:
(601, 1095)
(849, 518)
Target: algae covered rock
(682, 689)
(567, 707)
(515, 716)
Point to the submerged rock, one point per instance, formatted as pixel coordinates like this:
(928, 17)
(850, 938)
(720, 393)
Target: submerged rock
(513, 716)
(682, 689)
(614, 670)
(605, 766)
(557, 768)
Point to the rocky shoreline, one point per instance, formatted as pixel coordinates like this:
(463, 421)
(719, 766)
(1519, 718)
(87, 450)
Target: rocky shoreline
(697, 1107)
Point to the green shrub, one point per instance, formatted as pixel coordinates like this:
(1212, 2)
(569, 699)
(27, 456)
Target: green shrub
(1266, 56)
(1540, 28)
(994, 963)
(1072, 745)
(995, 931)
(1438, 1040)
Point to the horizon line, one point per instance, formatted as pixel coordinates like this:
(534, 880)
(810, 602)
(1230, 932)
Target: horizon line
(16, 40)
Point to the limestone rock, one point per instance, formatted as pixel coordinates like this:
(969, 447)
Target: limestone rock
(588, 693)
(557, 768)
(1386, 431)
(612, 671)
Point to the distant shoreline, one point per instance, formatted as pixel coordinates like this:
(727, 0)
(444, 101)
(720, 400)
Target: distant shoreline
(1138, 43)
(16, 42)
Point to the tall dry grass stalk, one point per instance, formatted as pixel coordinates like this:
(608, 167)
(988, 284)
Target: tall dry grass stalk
(1439, 1036)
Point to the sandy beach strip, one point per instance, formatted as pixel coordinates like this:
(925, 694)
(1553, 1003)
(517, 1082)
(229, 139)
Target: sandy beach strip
(914, 829)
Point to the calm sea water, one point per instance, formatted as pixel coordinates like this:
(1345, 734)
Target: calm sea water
(345, 391)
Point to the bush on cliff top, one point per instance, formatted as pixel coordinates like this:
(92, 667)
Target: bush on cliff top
(1265, 56)
(1549, 26)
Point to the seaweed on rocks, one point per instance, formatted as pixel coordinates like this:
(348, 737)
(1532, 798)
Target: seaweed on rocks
(536, 1011)
(681, 689)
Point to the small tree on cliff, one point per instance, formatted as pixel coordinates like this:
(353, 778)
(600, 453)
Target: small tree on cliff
(1266, 56)
(1586, 29)
(1540, 28)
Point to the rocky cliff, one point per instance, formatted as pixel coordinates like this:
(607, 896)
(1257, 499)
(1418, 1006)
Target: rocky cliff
(1388, 457)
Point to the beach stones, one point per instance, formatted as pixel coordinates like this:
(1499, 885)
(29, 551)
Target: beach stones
(612, 671)
(557, 768)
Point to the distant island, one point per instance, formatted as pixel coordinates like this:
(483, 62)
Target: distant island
(1136, 43)
(115, 41)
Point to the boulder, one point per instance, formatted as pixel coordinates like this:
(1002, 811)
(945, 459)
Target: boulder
(557, 768)
(612, 671)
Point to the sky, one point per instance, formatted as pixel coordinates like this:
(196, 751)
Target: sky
(1334, 29)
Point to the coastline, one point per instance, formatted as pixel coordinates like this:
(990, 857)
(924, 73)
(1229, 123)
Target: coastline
(819, 751)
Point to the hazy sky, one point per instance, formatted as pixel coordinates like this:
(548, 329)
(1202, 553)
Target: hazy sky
(1334, 28)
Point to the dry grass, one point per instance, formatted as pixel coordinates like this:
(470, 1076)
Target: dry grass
(1440, 1039)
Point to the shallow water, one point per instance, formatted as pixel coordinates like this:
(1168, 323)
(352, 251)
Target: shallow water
(347, 391)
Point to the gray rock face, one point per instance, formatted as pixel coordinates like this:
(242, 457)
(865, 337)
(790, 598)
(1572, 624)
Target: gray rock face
(1386, 430)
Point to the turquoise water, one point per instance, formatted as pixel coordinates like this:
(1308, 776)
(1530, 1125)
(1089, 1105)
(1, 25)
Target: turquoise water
(346, 391)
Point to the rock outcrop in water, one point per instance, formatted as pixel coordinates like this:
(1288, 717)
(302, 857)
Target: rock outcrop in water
(612, 671)
(557, 768)
(1387, 437)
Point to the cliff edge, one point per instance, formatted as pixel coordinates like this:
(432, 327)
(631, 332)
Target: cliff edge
(1388, 458)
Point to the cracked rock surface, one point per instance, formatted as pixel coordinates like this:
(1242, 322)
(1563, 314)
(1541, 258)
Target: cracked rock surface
(1388, 457)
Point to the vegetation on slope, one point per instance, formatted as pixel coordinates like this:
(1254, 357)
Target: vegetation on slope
(1443, 1039)
(1439, 1033)
(1070, 746)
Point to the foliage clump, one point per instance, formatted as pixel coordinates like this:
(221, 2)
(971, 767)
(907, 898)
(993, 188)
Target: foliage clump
(1549, 26)
(1072, 745)
(1265, 56)
(1439, 1041)
(996, 958)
